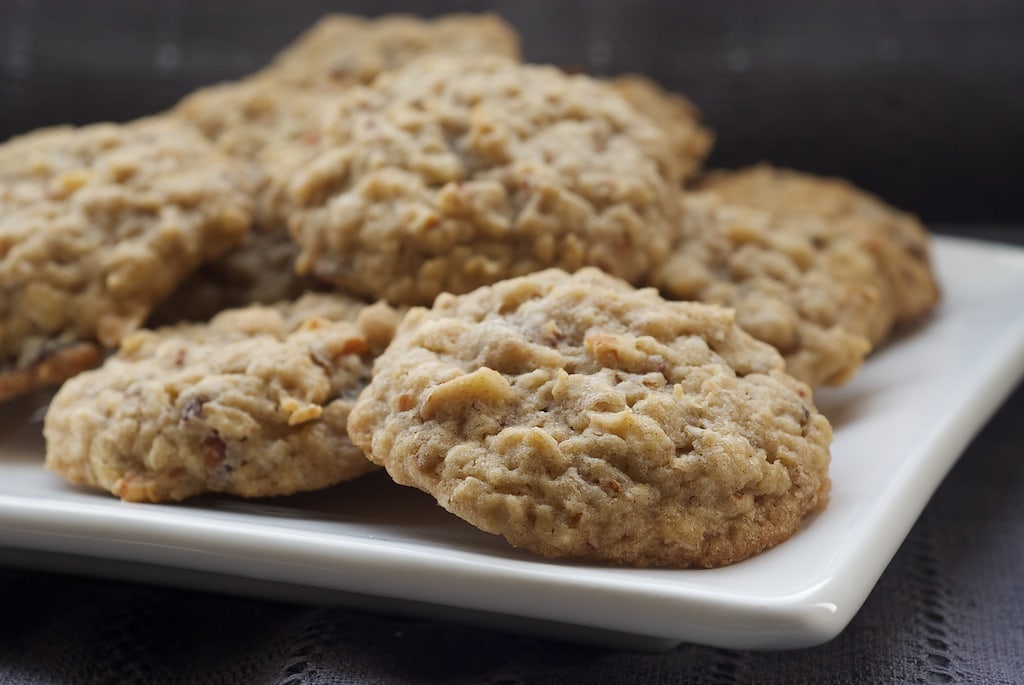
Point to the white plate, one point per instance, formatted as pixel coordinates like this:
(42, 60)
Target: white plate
(900, 425)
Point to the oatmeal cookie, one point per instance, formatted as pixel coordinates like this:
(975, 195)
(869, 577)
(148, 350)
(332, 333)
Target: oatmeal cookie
(268, 124)
(346, 50)
(895, 240)
(452, 173)
(273, 119)
(811, 293)
(675, 115)
(260, 271)
(248, 118)
(46, 362)
(99, 223)
(578, 417)
(252, 404)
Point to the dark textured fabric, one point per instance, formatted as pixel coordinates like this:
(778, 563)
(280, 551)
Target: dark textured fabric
(920, 100)
(949, 609)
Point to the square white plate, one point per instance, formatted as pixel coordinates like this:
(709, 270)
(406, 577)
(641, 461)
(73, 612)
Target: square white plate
(899, 426)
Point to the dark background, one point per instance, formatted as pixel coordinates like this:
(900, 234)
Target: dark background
(921, 101)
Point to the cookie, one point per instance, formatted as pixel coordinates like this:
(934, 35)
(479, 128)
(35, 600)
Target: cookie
(265, 123)
(345, 50)
(675, 115)
(811, 293)
(578, 417)
(99, 223)
(260, 271)
(248, 118)
(452, 173)
(896, 240)
(45, 362)
(254, 403)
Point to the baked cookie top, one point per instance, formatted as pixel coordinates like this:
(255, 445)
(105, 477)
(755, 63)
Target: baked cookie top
(252, 404)
(896, 240)
(812, 293)
(674, 114)
(248, 118)
(99, 223)
(274, 119)
(346, 50)
(451, 173)
(578, 417)
(268, 124)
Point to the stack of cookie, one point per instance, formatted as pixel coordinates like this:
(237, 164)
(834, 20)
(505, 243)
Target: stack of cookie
(511, 287)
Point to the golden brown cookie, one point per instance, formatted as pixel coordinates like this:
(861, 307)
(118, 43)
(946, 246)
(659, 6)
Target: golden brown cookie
(274, 119)
(346, 50)
(452, 173)
(811, 293)
(43, 363)
(98, 224)
(675, 115)
(578, 417)
(248, 118)
(254, 403)
(268, 124)
(895, 240)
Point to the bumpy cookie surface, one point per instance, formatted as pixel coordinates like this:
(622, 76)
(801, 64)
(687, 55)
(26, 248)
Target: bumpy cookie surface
(252, 404)
(453, 173)
(895, 240)
(97, 224)
(268, 124)
(579, 417)
(274, 119)
(345, 50)
(810, 292)
(248, 118)
(673, 114)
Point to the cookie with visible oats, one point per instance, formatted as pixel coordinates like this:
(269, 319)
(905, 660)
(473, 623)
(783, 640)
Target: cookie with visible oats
(254, 403)
(896, 241)
(248, 118)
(578, 417)
(345, 50)
(812, 293)
(674, 114)
(97, 225)
(452, 173)
(268, 124)
(274, 118)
